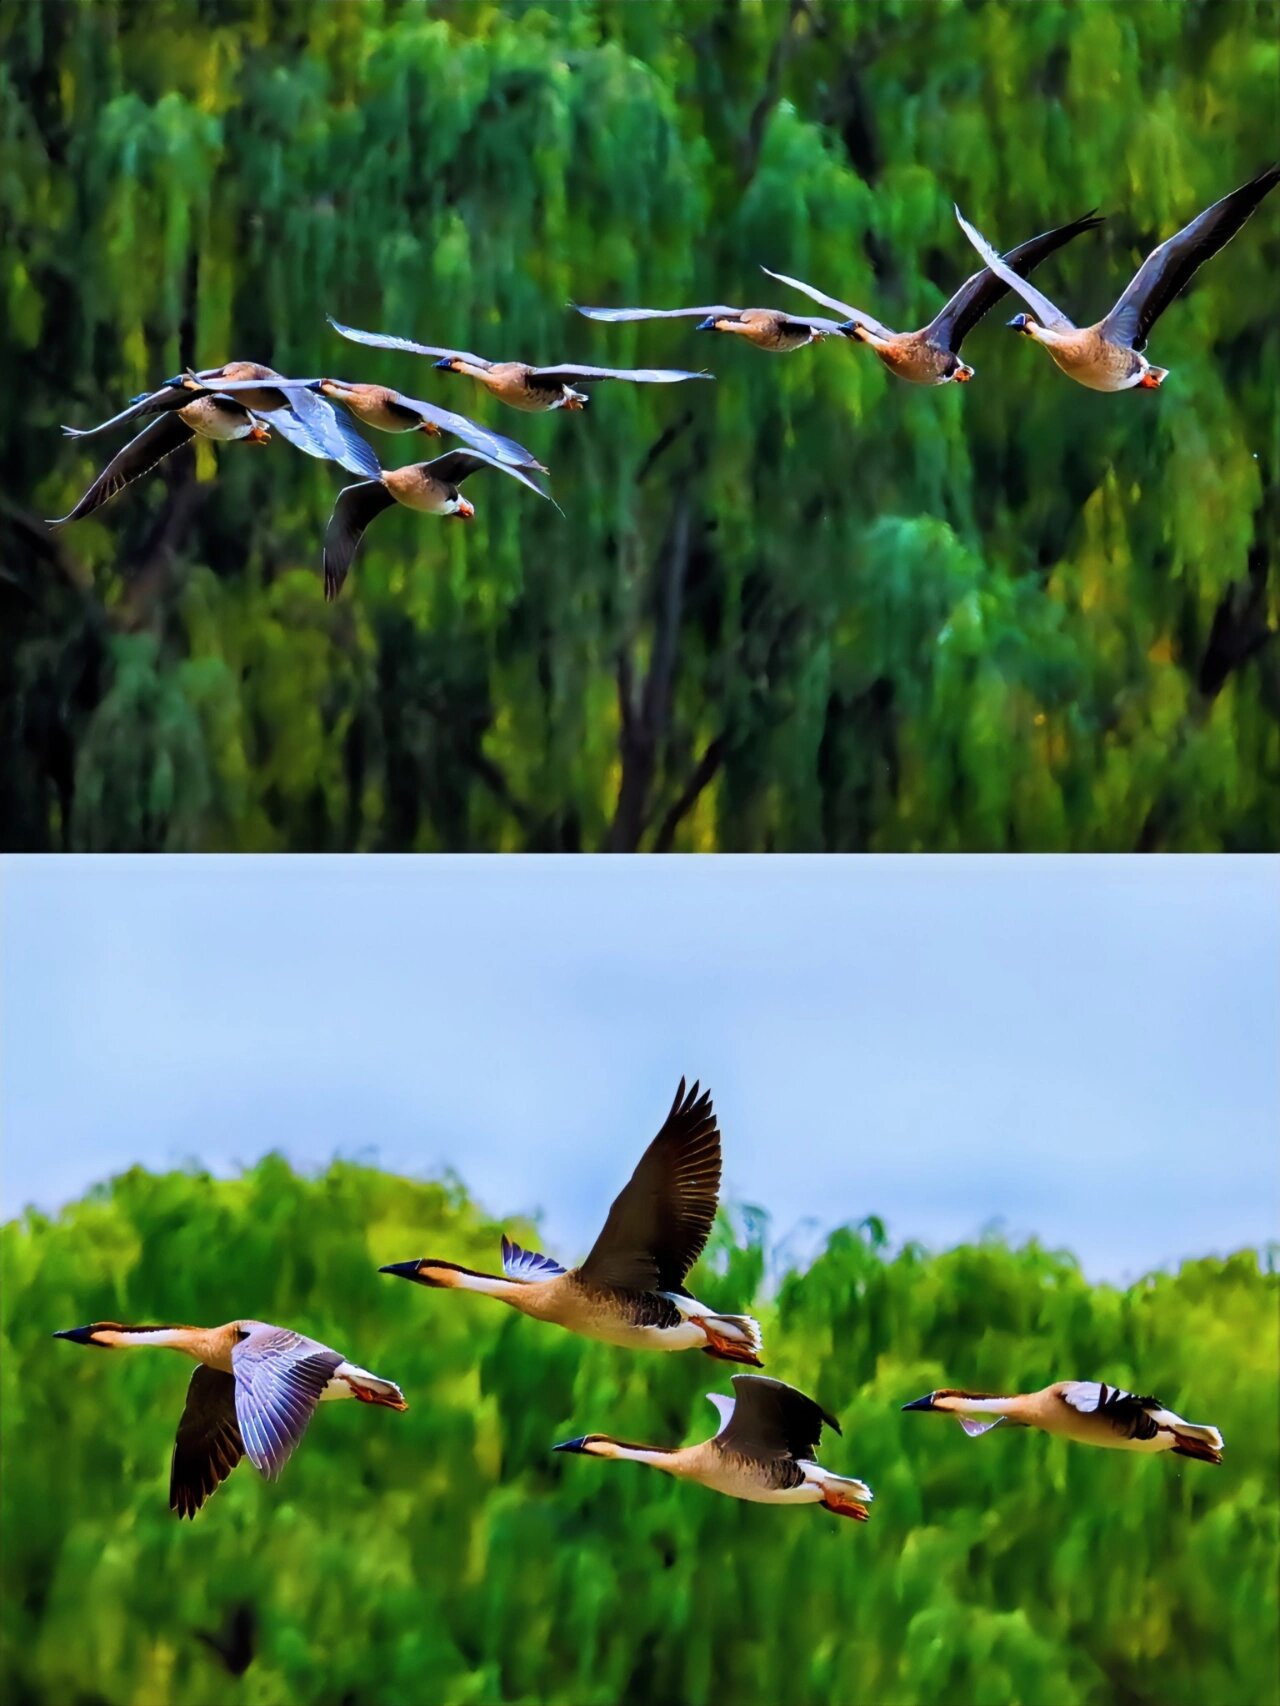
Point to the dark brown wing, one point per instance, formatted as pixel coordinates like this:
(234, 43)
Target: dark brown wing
(982, 290)
(384, 340)
(1170, 268)
(616, 316)
(637, 375)
(659, 1222)
(1128, 1414)
(208, 1445)
(355, 508)
(771, 1420)
(156, 402)
(138, 457)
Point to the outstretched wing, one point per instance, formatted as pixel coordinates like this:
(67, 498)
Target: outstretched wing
(1041, 306)
(455, 465)
(1128, 1414)
(355, 508)
(660, 1220)
(528, 1265)
(156, 402)
(770, 1421)
(495, 445)
(384, 340)
(208, 1445)
(329, 430)
(841, 308)
(156, 441)
(637, 375)
(1170, 268)
(982, 290)
(616, 316)
(279, 1376)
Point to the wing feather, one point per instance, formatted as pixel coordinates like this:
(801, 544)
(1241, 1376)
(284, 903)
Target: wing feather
(160, 438)
(1041, 306)
(384, 340)
(279, 1376)
(208, 1445)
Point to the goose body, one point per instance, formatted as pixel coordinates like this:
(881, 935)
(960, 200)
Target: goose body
(764, 328)
(430, 487)
(253, 1395)
(763, 1452)
(1087, 1411)
(220, 418)
(931, 355)
(630, 1289)
(1107, 356)
(521, 386)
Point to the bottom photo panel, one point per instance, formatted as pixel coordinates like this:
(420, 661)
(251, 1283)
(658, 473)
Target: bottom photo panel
(588, 1281)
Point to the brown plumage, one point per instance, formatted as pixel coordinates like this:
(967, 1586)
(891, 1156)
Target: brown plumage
(764, 328)
(1087, 1411)
(1108, 356)
(533, 389)
(630, 1290)
(931, 356)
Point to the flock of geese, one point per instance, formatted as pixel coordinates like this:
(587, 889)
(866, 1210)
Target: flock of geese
(244, 401)
(257, 1386)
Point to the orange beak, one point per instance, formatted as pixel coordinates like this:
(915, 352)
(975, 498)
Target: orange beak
(465, 511)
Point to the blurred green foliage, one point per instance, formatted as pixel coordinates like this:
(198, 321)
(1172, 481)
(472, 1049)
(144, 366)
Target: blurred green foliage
(446, 1556)
(808, 607)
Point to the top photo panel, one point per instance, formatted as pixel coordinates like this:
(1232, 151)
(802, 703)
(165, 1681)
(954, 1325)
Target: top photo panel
(620, 426)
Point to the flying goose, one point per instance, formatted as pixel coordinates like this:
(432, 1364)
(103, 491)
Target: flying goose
(534, 389)
(429, 486)
(767, 328)
(1108, 356)
(217, 417)
(763, 1452)
(386, 410)
(1083, 1410)
(306, 421)
(630, 1289)
(931, 356)
(252, 1396)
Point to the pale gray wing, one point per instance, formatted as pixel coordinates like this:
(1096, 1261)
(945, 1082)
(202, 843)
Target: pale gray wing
(771, 1420)
(384, 340)
(982, 290)
(156, 441)
(659, 1222)
(333, 431)
(637, 375)
(494, 444)
(155, 402)
(855, 314)
(1169, 269)
(208, 1445)
(355, 508)
(1041, 306)
(279, 1376)
(455, 465)
(616, 316)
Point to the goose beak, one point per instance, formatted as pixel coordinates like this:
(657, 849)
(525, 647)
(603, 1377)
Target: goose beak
(77, 1335)
(925, 1403)
(445, 362)
(579, 1445)
(707, 325)
(406, 1270)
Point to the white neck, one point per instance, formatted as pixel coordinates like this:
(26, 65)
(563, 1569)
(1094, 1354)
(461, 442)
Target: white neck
(982, 1406)
(174, 1337)
(639, 1454)
(488, 1285)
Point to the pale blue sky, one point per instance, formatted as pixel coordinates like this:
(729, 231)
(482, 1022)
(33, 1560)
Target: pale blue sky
(1086, 1049)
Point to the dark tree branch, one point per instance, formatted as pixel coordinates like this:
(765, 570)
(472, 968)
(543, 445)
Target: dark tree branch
(704, 772)
(761, 113)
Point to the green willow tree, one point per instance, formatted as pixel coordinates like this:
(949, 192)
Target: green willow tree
(446, 1556)
(804, 607)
